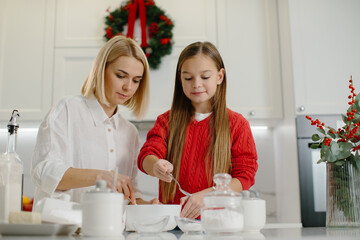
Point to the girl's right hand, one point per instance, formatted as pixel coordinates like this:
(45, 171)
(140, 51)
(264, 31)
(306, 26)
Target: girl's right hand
(161, 169)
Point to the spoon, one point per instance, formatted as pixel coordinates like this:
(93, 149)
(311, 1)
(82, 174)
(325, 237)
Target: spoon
(181, 190)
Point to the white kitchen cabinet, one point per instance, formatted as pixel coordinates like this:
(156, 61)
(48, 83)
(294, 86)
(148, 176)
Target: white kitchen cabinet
(26, 44)
(80, 23)
(79, 35)
(72, 67)
(62, 39)
(325, 36)
(248, 41)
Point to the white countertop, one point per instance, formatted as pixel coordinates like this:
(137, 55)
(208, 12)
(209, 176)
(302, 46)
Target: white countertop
(268, 233)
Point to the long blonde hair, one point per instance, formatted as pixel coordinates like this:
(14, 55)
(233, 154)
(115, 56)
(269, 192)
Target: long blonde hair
(219, 150)
(94, 84)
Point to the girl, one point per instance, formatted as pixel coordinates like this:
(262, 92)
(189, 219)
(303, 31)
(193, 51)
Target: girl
(199, 136)
(85, 138)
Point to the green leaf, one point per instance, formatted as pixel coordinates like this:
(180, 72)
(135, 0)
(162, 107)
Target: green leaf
(321, 160)
(356, 119)
(314, 145)
(344, 118)
(330, 157)
(357, 103)
(341, 150)
(321, 130)
(332, 135)
(351, 158)
(324, 151)
(357, 160)
(315, 137)
(339, 163)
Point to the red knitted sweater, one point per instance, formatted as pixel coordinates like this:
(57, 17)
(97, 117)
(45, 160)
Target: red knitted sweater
(192, 177)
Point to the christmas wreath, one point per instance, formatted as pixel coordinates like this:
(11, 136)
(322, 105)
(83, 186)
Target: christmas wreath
(154, 24)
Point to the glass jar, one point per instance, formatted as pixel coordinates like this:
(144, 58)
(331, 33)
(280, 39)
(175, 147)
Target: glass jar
(254, 211)
(222, 211)
(342, 195)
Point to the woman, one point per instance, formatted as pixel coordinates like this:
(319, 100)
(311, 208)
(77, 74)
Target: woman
(84, 138)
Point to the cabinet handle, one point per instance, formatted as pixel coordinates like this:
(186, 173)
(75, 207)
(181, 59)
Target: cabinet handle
(252, 113)
(301, 108)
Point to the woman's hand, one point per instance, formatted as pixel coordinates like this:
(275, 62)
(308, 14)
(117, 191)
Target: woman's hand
(193, 205)
(123, 184)
(141, 201)
(161, 169)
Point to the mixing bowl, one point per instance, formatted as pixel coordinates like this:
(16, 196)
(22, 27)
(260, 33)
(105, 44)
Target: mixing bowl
(149, 214)
(188, 225)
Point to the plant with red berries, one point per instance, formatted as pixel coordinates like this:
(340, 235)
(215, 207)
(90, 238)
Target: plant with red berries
(342, 144)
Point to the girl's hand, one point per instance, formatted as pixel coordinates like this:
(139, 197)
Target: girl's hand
(161, 169)
(192, 208)
(155, 201)
(123, 184)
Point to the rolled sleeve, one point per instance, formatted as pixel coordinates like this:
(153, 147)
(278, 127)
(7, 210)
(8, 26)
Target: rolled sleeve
(244, 156)
(156, 141)
(135, 170)
(47, 174)
(49, 158)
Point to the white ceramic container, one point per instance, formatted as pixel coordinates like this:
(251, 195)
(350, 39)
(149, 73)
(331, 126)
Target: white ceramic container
(102, 212)
(139, 213)
(254, 213)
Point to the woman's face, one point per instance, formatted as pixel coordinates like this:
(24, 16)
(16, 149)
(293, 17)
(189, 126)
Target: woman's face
(122, 79)
(199, 79)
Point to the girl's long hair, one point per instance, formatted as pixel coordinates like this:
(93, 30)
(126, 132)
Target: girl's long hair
(218, 158)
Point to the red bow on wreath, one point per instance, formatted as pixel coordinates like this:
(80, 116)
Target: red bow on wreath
(132, 17)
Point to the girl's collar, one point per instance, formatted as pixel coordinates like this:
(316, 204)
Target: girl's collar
(201, 116)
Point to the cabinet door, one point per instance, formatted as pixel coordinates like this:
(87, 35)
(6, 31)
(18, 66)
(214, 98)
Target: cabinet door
(325, 38)
(72, 67)
(80, 23)
(248, 41)
(26, 44)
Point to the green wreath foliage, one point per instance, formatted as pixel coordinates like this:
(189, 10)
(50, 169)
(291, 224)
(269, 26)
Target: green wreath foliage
(159, 28)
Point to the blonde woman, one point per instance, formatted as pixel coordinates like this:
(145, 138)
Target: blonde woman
(199, 136)
(84, 138)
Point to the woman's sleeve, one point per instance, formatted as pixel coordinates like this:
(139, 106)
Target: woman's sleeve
(156, 141)
(50, 154)
(243, 153)
(134, 174)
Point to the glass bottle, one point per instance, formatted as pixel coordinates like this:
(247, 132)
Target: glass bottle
(11, 173)
(222, 211)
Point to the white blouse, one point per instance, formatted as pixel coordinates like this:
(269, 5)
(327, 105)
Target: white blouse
(77, 133)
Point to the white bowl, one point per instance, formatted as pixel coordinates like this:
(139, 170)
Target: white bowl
(151, 225)
(141, 213)
(189, 225)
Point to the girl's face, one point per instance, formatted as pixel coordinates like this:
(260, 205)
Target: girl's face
(199, 79)
(122, 79)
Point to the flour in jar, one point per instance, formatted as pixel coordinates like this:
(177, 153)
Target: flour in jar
(222, 220)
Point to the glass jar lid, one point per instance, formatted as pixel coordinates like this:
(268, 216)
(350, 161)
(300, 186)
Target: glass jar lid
(222, 189)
